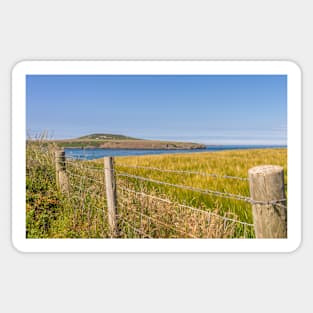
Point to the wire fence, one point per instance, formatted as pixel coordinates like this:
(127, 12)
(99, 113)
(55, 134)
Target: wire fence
(183, 172)
(144, 207)
(163, 218)
(87, 200)
(153, 202)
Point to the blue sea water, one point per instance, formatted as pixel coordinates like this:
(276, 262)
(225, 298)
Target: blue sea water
(90, 154)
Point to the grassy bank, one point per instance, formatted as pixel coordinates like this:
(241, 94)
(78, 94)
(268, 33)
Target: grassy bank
(146, 208)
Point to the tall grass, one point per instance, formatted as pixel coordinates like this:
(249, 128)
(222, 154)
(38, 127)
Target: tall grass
(146, 209)
(80, 213)
(43, 202)
(230, 163)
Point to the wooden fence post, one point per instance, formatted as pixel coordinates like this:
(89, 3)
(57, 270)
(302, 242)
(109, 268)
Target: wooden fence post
(60, 167)
(268, 205)
(110, 187)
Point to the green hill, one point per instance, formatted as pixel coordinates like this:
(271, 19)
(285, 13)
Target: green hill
(106, 137)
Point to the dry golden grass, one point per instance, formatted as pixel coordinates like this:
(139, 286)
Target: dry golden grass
(146, 209)
(231, 163)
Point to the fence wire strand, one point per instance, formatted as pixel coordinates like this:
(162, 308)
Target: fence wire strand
(203, 191)
(146, 214)
(162, 224)
(87, 201)
(184, 206)
(183, 172)
(84, 176)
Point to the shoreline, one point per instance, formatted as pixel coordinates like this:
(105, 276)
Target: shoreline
(206, 147)
(129, 144)
(148, 149)
(149, 145)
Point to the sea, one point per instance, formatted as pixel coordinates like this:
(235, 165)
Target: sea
(91, 154)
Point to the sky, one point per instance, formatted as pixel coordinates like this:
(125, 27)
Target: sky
(211, 109)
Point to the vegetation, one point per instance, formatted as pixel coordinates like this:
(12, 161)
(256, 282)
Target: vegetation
(112, 141)
(127, 144)
(81, 213)
(52, 214)
(101, 136)
(43, 202)
(234, 163)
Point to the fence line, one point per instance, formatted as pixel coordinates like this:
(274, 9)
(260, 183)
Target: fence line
(74, 172)
(261, 181)
(203, 191)
(94, 195)
(86, 200)
(185, 206)
(184, 172)
(175, 221)
(75, 164)
(83, 176)
(163, 224)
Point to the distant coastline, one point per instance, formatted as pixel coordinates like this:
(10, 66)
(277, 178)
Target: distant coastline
(90, 154)
(113, 141)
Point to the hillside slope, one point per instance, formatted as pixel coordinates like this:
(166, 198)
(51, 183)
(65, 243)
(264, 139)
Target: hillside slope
(112, 141)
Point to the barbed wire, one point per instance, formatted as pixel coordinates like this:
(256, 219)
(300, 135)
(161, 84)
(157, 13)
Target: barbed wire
(184, 172)
(175, 229)
(276, 203)
(79, 166)
(185, 206)
(87, 198)
(203, 191)
(83, 176)
(100, 196)
(74, 167)
(167, 226)
(88, 202)
(82, 206)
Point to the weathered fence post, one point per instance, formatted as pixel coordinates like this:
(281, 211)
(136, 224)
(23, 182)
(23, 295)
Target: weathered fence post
(268, 205)
(110, 187)
(60, 167)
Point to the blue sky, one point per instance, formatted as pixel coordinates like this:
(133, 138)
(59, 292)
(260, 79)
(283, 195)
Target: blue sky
(213, 109)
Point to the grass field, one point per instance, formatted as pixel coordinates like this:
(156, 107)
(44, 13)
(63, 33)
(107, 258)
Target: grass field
(146, 208)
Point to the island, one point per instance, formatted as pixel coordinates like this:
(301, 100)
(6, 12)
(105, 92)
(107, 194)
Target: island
(113, 141)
